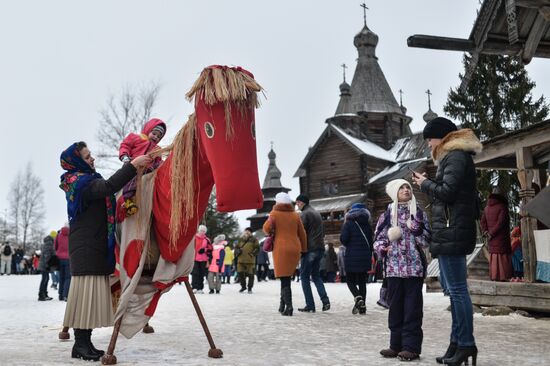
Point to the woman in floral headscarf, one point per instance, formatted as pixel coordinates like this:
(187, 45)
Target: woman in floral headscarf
(90, 207)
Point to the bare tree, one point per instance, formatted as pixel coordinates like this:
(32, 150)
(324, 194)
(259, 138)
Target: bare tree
(14, 198)
(26, 205)
(125, 113)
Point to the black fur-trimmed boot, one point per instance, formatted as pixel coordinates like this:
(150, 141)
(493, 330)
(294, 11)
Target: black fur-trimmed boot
(82, 348)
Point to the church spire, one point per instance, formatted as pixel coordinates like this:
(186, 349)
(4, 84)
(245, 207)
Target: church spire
(273, 175)
(344, 106)
(429, 115)
(370, 91)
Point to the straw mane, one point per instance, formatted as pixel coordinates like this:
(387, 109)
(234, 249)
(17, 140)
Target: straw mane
(229, 86)
(233, 88)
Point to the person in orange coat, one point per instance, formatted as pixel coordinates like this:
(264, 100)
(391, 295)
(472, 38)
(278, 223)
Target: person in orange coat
(290, 242)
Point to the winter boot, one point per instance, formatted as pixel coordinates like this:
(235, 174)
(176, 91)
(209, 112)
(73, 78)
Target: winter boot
(389, 353)
(287, 298)
(358, 303)
(408, 356)
(448, 354)
(382, 301)
(461, 356)
(44, 297)
(82, 348)
(282, 303)
(98, 351)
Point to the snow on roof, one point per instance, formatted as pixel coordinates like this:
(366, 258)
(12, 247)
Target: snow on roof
(409, 147)
(367, 147)
(337, 203)
(391, 170)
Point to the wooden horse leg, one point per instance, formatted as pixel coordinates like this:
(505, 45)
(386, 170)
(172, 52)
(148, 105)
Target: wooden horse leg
(213, 352)
(109, 358)
(64, 334)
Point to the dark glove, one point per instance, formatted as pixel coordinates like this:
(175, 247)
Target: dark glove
(201, 251)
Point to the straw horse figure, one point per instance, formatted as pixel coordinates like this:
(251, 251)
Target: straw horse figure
(216, 146)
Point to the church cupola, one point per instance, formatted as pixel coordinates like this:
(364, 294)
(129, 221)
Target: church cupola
(344, 105)
(429, 115)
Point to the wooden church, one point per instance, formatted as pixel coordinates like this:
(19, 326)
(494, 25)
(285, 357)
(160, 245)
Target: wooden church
(367, 143)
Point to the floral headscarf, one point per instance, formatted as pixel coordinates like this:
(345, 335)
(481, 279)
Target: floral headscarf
(74, 181)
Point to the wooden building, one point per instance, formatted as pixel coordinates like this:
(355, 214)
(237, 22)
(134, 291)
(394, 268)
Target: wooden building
(365, 144)
(514, 28)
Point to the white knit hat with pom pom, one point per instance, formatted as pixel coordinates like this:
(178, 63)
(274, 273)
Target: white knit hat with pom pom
(392, 189)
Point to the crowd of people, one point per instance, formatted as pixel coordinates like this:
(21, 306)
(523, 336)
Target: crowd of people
(292, 246)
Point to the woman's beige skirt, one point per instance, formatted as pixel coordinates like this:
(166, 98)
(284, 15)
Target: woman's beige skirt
(89, 303)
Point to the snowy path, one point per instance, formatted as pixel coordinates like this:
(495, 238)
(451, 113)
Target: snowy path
(250, 331)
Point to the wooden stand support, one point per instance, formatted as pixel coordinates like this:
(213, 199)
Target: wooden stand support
(213, 352)
(109, 358)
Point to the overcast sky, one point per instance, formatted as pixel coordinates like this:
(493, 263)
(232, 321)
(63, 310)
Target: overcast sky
(61, 59)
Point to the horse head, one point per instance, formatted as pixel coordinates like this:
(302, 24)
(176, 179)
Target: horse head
(216, 146)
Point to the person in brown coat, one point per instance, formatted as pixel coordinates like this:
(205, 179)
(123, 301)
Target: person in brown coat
(290, 242)
(495, 224)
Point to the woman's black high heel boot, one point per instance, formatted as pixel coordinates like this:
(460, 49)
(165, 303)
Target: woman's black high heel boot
(287, 297)
(449, 353)
(461, 356)
(281, 304)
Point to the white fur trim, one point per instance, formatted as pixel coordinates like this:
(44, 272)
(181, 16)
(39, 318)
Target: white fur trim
(394, 233)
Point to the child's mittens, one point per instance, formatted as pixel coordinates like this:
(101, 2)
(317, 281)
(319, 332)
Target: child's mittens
(125, 159)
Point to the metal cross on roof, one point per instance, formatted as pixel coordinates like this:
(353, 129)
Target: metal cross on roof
(344, 67)
(429, 100)
(364, 6)
(401, 97)
(271, 142)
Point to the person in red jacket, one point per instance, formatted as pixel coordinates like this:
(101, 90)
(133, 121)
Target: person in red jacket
(61, 247)
(135, 145)
(495, 224)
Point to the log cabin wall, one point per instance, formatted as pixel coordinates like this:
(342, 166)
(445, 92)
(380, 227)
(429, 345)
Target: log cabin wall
(334, 170)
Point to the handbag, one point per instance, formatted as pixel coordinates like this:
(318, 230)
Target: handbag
(374, 257)
(270, 239)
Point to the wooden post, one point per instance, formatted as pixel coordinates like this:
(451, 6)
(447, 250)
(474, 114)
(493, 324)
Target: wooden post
(525, 173)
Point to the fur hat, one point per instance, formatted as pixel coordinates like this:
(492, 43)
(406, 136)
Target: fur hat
(392, 190)
(438, 128)
(283, 198)
(202, 229)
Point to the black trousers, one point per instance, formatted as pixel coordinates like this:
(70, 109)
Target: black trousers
(405, 315)
(197, 275)
(357, 283)
(263, 270)
(43, 290)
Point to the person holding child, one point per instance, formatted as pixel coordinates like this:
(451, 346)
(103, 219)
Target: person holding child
(91, 212)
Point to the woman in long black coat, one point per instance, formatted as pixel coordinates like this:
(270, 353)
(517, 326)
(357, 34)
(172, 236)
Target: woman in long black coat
(91, 210)
(356, 236)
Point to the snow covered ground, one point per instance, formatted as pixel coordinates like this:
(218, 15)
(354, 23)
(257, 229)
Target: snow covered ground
(250, 331)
